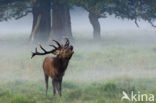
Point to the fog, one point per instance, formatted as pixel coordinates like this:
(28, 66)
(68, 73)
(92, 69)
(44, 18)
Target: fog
(80, 24)
(126, 51)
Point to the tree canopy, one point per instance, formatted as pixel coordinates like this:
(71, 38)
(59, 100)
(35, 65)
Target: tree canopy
(124, 9)
(14, 9)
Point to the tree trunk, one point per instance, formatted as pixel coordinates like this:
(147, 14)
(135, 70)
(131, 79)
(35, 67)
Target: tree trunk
(41, 20)
(61, 21)
(96, 25)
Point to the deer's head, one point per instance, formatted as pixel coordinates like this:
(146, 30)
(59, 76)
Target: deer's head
(65, 52)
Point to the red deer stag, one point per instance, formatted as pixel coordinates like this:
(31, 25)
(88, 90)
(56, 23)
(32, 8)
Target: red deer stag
(55, 67)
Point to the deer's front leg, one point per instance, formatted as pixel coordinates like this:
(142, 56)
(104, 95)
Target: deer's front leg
(54, 86)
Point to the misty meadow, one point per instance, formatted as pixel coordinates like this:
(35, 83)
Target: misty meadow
(114, 44)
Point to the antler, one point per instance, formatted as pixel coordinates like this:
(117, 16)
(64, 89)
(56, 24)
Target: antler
(45, 52)
(66, 43)
(52, 51)
(59, 46)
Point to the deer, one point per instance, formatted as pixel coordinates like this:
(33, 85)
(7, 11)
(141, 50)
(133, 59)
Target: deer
(55, 66)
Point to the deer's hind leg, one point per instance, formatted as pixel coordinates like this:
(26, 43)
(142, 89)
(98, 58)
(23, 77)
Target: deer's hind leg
(46, 81)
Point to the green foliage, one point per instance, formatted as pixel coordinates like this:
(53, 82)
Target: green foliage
(136, 9)
(14, 10)
(125, 9)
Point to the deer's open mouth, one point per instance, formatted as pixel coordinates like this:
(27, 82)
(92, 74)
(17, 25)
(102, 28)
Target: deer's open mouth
(71, 47)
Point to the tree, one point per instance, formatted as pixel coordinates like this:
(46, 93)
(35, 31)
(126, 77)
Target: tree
(94, 20)
(41, 20)
(41, 11)
(61, 21)
(97, 10)
(16, 9)
(124, 9)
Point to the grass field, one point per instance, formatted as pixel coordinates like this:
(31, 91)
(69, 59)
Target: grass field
(98, 72)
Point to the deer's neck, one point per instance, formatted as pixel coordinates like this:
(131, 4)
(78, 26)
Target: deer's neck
(64, 64)
(61, 64)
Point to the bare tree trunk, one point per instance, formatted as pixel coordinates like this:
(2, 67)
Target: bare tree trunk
(41, 21)
(61, 21)
(96, 25)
